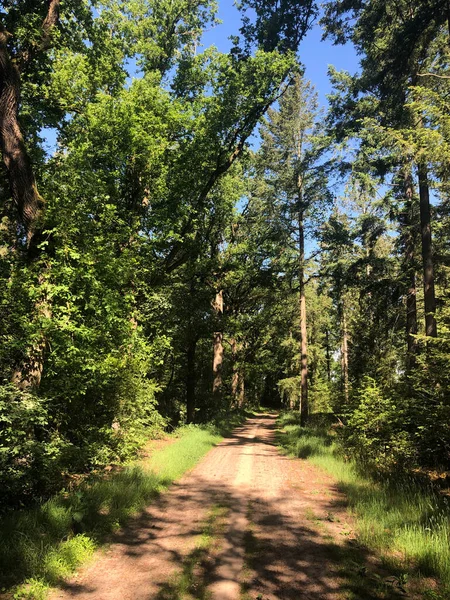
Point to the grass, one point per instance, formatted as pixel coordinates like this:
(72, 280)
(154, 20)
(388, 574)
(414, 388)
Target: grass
(407, 522)
(42, 546)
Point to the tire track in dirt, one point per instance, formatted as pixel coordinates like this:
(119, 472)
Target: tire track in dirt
(270, 548)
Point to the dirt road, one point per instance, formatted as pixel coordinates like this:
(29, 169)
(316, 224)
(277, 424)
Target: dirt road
(281, 526)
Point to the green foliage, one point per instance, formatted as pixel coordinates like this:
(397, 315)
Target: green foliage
(290, 391)
(142, 184)
(378, 428)
(431, 409)
(30, 448)
(406, 520)
(45, 544)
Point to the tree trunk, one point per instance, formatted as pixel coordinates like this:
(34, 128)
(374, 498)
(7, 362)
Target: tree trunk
(344, 353)
(328, 354)
(17, 162)
(410, 267)
(29, 373)
(235, 375)
(191, 379)
(22, 182)
(241, 395)
(218, 346)
(427, 252)
(237, 379)
(304, 408)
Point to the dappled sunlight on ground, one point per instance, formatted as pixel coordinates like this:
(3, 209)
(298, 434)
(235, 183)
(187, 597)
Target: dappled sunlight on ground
(286, 534)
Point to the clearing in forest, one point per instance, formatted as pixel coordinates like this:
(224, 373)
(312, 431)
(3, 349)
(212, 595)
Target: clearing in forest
(246, 523)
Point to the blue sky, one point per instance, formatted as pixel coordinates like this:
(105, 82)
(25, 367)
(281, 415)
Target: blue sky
(315, 54)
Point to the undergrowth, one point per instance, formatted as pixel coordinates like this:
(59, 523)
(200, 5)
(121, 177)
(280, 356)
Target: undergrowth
(398, 516)
(43, 545)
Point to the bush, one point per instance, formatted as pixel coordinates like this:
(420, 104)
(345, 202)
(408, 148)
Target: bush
(40, 446)
(377, 429)
(30, 449)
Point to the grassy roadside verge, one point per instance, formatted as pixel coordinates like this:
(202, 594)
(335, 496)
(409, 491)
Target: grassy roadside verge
(407, 524)
(42, 546)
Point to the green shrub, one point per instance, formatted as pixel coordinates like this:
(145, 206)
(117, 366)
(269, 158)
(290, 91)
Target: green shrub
(30, 448)
(377, 429)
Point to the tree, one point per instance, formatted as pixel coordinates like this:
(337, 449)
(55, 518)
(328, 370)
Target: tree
(291, 152)
(389, 73)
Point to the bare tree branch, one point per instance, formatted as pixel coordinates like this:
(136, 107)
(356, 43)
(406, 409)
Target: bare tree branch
(433, 75)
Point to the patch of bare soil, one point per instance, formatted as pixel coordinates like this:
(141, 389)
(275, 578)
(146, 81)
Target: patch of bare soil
(287, 533)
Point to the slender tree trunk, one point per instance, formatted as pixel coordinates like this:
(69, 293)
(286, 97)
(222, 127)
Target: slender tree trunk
(328, 354)
(235, 375)
(344, 353)
(304, 408)
(427, 252)
(237, 379)
(241, 394)
(409, 249)
(191, 378)
(218, 345)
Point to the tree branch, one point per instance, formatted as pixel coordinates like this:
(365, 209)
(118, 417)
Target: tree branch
(48, 24)
(433, 75)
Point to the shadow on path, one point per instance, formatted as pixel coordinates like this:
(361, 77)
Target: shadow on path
(267, 547)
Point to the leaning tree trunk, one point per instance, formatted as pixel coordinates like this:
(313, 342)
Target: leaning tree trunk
(22, 182)
(25, 194)
(218, 345)
(427, 252)
(304, 408)
(17, 162)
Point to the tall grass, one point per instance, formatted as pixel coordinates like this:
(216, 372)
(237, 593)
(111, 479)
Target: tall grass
(408, 521)
(43, 545)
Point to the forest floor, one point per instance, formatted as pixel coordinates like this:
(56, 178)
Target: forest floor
(247, 523)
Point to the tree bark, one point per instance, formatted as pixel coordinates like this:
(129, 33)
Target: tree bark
(304, 408)
(328, 354)
(218, 345)
(344, 353)
(241, 394)
(427, 252)
(235, 375)
(17, 162)
(237, 378)
(18, 165)
(191, 379)
(22, 182)
(409, 249)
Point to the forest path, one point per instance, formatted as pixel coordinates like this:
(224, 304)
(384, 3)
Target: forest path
(245, 523)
